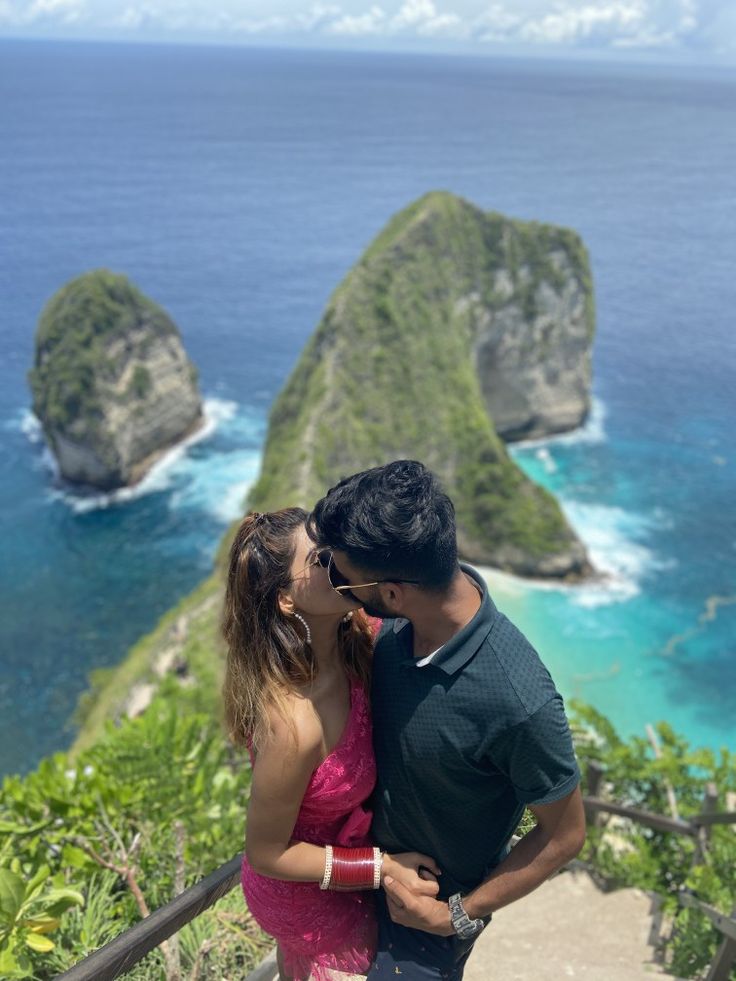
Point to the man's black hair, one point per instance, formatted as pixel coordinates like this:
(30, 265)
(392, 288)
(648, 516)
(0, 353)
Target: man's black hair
(392, 521)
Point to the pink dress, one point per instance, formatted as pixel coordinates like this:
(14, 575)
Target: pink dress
(320, 931)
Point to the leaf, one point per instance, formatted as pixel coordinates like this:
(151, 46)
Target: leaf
(62, 898)
(9, 966)
(12, 893)
(37, 881)
(39, 943)
(75, 857)
(43, 923)
(10, 828)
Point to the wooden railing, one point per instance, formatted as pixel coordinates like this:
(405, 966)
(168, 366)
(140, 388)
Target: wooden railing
(130, 947)
(697, 827)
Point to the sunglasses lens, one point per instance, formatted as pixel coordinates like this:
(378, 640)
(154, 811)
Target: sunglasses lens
(336, 577)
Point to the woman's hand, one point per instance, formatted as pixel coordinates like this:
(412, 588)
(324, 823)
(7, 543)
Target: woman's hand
(416, 872)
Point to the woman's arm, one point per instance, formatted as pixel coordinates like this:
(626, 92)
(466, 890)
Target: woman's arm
(281, 774)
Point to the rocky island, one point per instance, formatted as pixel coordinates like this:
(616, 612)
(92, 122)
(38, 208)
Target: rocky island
(111, 382)
(456, 327)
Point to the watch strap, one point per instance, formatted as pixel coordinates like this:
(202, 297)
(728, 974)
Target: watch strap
(463, 926)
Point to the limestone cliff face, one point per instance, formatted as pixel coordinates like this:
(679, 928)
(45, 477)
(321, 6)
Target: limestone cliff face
(533, 335)
(112, 384)
(410, 354)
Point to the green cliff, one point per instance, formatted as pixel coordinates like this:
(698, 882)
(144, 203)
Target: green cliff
(394, 370)
(111, 382)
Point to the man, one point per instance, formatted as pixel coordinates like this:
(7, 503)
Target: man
(468, 726)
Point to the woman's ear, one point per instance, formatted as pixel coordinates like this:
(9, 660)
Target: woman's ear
(286, 604)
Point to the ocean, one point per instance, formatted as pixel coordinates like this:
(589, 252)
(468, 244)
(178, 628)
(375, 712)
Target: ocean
(236, 187)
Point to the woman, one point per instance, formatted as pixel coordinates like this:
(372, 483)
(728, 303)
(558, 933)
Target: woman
(296, 694)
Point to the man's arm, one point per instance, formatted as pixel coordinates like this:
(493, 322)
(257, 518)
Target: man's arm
(556, 839)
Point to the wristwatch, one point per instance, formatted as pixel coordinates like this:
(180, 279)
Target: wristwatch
(463, 926)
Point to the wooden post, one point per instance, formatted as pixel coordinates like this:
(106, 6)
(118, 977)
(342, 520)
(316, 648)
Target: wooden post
(720, 969)
(594, 779)
(669, 789)
(710, 803)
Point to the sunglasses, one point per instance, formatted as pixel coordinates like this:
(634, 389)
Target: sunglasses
(340, 583)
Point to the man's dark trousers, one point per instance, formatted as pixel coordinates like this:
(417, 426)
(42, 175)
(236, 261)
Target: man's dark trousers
(413, 955)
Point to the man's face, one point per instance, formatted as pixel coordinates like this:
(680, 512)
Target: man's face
(344, 573)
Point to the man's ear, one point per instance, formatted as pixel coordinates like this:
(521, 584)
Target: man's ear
(286, 604)
(392, 595)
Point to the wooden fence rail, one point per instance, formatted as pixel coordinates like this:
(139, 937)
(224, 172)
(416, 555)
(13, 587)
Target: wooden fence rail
(131, 946)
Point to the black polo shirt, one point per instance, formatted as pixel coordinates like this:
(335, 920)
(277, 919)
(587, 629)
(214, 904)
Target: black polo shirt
(464, 743)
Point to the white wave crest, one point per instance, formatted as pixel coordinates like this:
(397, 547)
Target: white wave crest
(161, 475)
(614, 540)
(593, 431)
(546, 459)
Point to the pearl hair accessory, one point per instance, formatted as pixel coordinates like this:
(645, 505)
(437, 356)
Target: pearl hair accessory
(306, 627)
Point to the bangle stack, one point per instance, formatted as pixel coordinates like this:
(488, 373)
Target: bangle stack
(349, 869)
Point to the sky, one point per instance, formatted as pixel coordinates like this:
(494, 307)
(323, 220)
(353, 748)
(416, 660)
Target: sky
(697, 30)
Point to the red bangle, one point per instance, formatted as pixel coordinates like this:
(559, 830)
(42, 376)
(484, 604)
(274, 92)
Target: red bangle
(352, 868)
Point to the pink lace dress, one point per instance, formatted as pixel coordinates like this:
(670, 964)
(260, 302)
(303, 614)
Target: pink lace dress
(320, 932)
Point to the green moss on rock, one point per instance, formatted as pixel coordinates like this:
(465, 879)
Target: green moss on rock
(111, 382)
(72, 340)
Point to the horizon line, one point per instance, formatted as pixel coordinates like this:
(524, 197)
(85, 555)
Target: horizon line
(612, 57)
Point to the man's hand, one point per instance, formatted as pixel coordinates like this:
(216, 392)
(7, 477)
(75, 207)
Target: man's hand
(404, 868)
(419, 912)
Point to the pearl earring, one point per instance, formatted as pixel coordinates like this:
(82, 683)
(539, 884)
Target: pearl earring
(306, 627)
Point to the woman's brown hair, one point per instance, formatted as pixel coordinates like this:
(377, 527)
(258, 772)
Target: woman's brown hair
(268, 656)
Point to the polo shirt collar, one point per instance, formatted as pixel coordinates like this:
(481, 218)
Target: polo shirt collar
(459, 649)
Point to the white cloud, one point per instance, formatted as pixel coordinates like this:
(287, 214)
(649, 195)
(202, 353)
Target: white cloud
(63, 11)
(592, 24)
(496, 24)
(448, 24)
(414, 12)
(423, 17)
(319, 16)
(371, 22)
(572, 23)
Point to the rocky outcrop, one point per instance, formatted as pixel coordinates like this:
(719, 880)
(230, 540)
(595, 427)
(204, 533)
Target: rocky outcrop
(408, 359)
(112, 384)
(533, 332)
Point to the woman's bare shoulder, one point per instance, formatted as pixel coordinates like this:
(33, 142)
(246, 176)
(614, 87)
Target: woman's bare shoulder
(295, 727)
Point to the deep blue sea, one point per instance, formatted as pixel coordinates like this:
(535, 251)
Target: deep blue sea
(236, 187)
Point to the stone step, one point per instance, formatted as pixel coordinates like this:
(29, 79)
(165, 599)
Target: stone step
(569, 928)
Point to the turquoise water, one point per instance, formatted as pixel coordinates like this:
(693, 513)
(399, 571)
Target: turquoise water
(655, 639)
(237, 187)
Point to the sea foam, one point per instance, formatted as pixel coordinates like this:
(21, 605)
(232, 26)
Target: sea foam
(215, 482)
(591, 432)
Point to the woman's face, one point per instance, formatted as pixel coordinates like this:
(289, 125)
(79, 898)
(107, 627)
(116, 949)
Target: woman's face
(310, 588)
